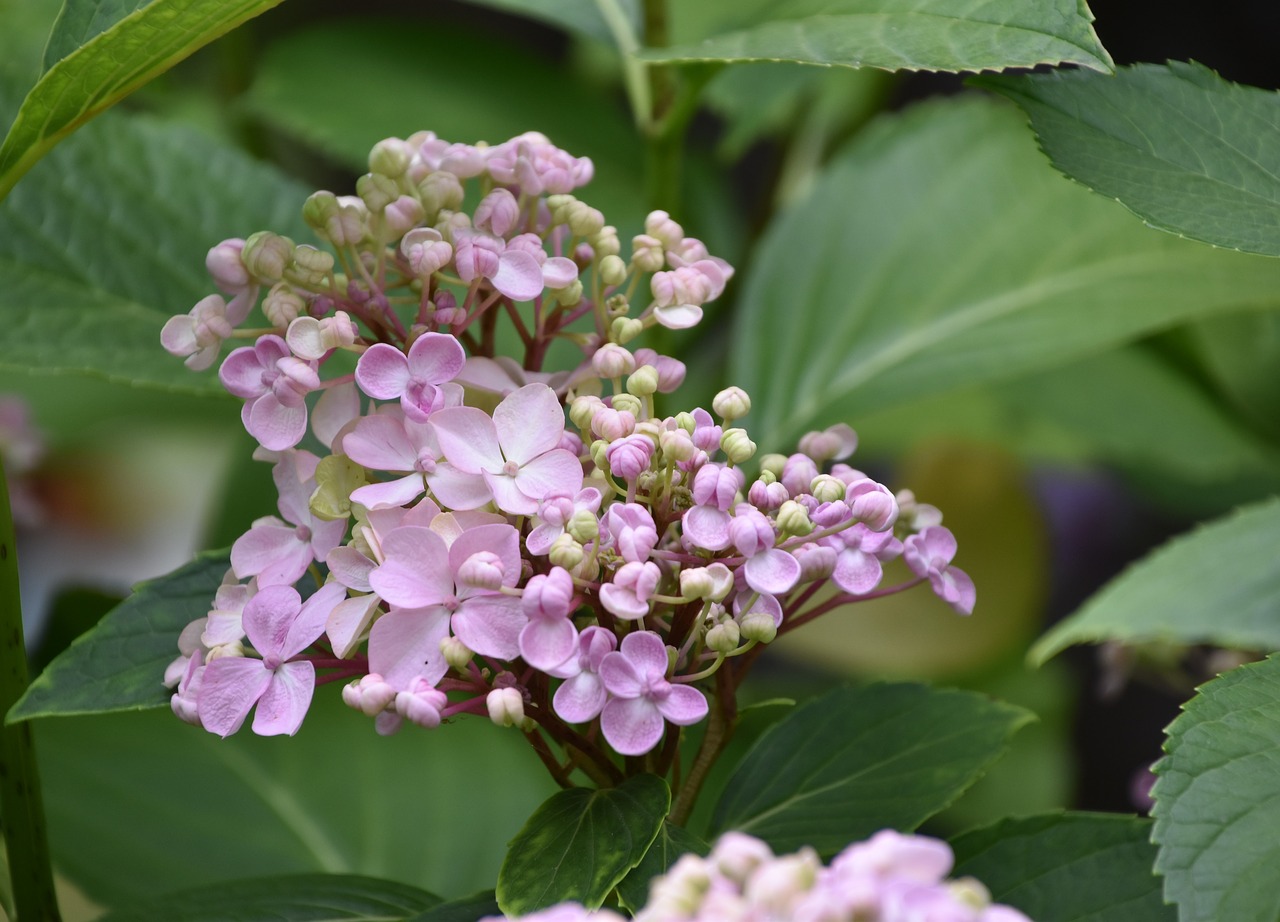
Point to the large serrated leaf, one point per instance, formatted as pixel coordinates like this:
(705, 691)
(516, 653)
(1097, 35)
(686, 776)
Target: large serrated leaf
(580, 844)
(1218, 585)
(287, 898)
(106, 240)
(140, 798)
(858, 760)
(1218, 800)
(81, 21)
(1036, 864)
(113, 63)
(937, 252)
(119, 664)
(1182, 148)
(940, 35)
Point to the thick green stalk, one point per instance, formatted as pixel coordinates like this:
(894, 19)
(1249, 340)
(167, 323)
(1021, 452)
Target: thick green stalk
(21, 808)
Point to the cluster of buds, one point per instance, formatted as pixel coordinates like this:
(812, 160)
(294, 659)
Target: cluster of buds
(595, 575)
(891, 877)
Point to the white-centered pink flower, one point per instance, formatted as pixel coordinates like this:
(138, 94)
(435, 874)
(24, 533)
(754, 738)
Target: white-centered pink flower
(274, 385)
(514, 452)
(641, 698)
(419, 380)
(280, 626)
(582, 695)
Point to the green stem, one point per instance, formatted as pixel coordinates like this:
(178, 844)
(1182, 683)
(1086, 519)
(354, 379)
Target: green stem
(25, 835)
(633, 69)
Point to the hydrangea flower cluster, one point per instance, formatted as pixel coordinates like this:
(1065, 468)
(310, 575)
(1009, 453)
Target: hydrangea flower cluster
(595, 573)
(891, 877)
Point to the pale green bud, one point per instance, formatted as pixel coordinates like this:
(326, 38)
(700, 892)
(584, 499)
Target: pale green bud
(230, 650)
(570, 294)
(724, 637)
(625, 329)
(336, 477)
(643, 382)
(971, 892)
(565, 552)
(758, 626)
(647, 253)
(605, 242)
(583, 526)
(584, 220)
(376, 191)
(793, 519)
(772, 464)
(628, 403)
(267, 255)
(686, 421)
(390, 157)
(456, 653)
(731, 403)
(559, 206)
(613, 271)
(283, 305)
(310, 266)
(319, 208)
(676, 444)
(827, 489)
(440, 192)
(598, 457)
(588, 569)
(583, 409)
(737, 446)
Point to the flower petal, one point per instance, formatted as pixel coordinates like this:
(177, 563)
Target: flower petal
(774, 571)
(647, 652)
(230, 686)
(555, 471)
(528, 422)
(490, 625)
(415, 571)
(436, 358)
(683, 706)
(405, 644)
(632, 726)
(284, 703)
(545, 643)
(468, 439)
(580, 698)
(382, 372)
(519, 276)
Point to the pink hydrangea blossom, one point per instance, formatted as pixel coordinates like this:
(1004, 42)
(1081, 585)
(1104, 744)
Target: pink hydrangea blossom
(554, 514)
(274, 385)
(419, 380)
(582, 695)
(627, 594)
(633, 531)
(929, 553)
(550, 637)
(641, 698)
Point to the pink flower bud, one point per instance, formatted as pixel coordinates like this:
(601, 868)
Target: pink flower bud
(482, 570)
(711, 583)
(629, 457)
(736, 855)
(549, 595)
(421, 704)
(371, 695)
(497, 212)
(612, 361)
(872, 504)
(225, 266)
(426, 251)
(506, 706)
(717, 485)
(658, 224)
(611, 424)
(767, 496)
(833, 443)
(671, 372)
(798, 474)
(402, 214)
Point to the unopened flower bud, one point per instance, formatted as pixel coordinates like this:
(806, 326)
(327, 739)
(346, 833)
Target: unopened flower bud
(421, 703)
(731, 403)
(676, 444)
(612, 361)
(282, 305)
(226, 268)
(440, 191)
(773, 463)
(267, 255)
(319, 208)
(737, 446)
(625, 329)
(629, 404)
(598, 456)
(583, 410)
(612, 422)
(401, 216)
(817, 561)
(584, 220)
(497, 212)
(583, 526)
(872, 504)
(833, 443)
(377, 191)
(316, 262)
(685, 421)
(826, 489)
(506, 706)
(647, 253)
(349, 225)
(629, 457)
(482, 570)
(605, 242)
(371, 695)
(225, 651)
(724, 637)
(758, 626)
(643, 381)
(566, 552)
(793, 519)
(456, 653)
(570, 294)
(658, 224)
(588, 568)
(767, 494)
(711, 583)
(390, 157)
(737, 855)
(613, 271)
(777, 884)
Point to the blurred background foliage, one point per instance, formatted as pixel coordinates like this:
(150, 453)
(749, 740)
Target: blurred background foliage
(1052, 480)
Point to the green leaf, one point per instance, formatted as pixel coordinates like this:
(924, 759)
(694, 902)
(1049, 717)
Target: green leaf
(288, 898)
(91, 269)
(466, 909)
(580, 844)
(119, 665)
(1217, 585)
(110, 66)
(1218, 800)
(1239, 352)
(452, 97)
(583, 16)
(671, 843)
(141, 798)
(861, 759)
(1188, 152)
(947, 35)
(938, 252)
(81, 21)
(1037, 864)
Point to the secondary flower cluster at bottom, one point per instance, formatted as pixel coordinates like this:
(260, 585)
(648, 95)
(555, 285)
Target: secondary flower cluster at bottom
(891, 877)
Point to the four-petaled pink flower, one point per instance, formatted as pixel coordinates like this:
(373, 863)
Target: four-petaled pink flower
(280, 626)
(640, 697)
(274, 385)
(550, 637)
(419, 380)
(514, 451)
(929, 554)
(582, 695)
